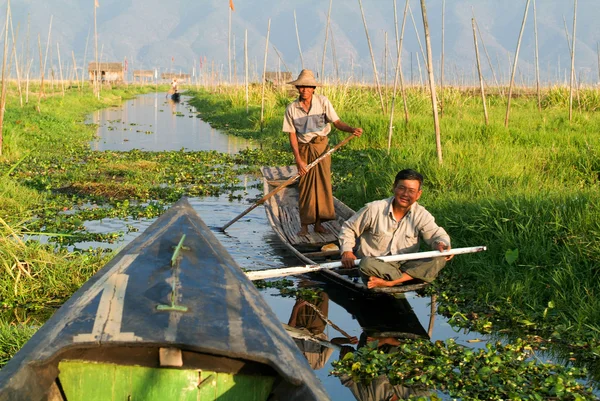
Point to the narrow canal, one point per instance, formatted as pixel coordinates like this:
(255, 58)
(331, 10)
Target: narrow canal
(154, 123)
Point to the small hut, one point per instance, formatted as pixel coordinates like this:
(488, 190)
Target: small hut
(143, 75)
(278, 77)
(168, 76)
(106, 72)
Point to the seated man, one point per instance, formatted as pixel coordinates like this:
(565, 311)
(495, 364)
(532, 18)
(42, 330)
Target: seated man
(393, 226)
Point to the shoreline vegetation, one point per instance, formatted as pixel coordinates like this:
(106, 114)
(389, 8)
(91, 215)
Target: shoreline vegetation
(529, 192)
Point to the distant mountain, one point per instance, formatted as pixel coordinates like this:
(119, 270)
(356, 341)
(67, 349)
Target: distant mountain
(177, 35)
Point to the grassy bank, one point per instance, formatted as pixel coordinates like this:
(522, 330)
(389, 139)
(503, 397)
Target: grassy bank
(528, 192)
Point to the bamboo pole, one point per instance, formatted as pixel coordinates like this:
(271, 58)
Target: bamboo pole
(75, 69)
(442, 60)
(334, 55)
(485, 113)
(436, 122)
(27, 84)
(573, 61)
(264, 76)
(372, 56)
(60, 69)
(246, 66)
(229, 46)
(488, 59)
(385, 64)
(598, 54)
(281, 59)
(84, 59)
(514, 70)
(41, 73)
(537, 59)
(14, 55)
(402, 87)
(4, 78)
(298, 39)
(397, 73)
(97, 69)
(325, 44)
(412, 17)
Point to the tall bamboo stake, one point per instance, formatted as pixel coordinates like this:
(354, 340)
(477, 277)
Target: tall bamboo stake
(442, 61)
(325, 44)
(412, 17)
(264, 77)
(75, 69)
(372, 56)
(334, 56)
(97, 69)
(485, 113)
(488, 58)
(537, 59)
(4, 83)
(84, 59)
(598, 53)
(14, 55)
(573, 61)
(398, 73)
(60, 69)
(48, 43)
(246, 66)
(436, 122)
(298, 39)
(27, 84)
(229, 46)
(402, 88)
(514, 70)
(41, 73)
(385, 64)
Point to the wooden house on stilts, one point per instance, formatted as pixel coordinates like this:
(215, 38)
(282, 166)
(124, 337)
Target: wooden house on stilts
(106, 72)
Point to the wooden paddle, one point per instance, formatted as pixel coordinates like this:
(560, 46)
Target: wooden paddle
(288, 182)
(289, 271)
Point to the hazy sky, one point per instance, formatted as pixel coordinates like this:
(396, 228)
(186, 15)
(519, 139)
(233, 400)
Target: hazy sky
(179, 34)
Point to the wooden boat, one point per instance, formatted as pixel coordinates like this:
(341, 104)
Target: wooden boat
(282, 212)
(171, 317)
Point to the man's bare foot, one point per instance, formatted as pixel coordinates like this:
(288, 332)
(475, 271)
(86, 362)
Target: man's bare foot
(321, 229)
(377, 282)
(303, 230)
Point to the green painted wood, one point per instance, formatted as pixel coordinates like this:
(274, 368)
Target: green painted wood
(89, 381)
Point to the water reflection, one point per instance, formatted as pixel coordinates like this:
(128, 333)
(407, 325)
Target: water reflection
(153, 122)
(385, 322)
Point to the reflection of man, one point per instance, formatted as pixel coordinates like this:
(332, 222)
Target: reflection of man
(307, 121)
(393, 226)
(307, 320)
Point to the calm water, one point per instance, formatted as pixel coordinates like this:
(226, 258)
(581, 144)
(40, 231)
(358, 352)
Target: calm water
(151, 122)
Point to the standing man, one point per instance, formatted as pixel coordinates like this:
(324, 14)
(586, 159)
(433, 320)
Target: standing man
(307, 123)
(393, 226)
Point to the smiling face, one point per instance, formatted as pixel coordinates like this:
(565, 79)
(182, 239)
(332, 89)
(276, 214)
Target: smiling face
(305, 92)
(407, 192)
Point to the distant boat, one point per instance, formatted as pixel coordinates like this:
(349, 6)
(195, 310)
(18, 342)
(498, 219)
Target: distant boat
(170, 317)
(175, 97)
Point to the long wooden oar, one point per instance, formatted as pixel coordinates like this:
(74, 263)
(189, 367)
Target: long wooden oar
(288, 181)
(289, 271)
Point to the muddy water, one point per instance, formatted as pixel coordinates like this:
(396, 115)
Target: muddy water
(251, 241)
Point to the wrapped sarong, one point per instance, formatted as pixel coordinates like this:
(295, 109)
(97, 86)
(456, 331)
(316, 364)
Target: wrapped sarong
(316, 195)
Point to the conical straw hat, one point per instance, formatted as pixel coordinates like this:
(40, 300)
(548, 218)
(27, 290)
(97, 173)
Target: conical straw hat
(306, 78)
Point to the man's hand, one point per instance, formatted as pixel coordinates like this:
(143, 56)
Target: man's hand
(357, 131)
(348, 259)
(302, 170)
(440, 246)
